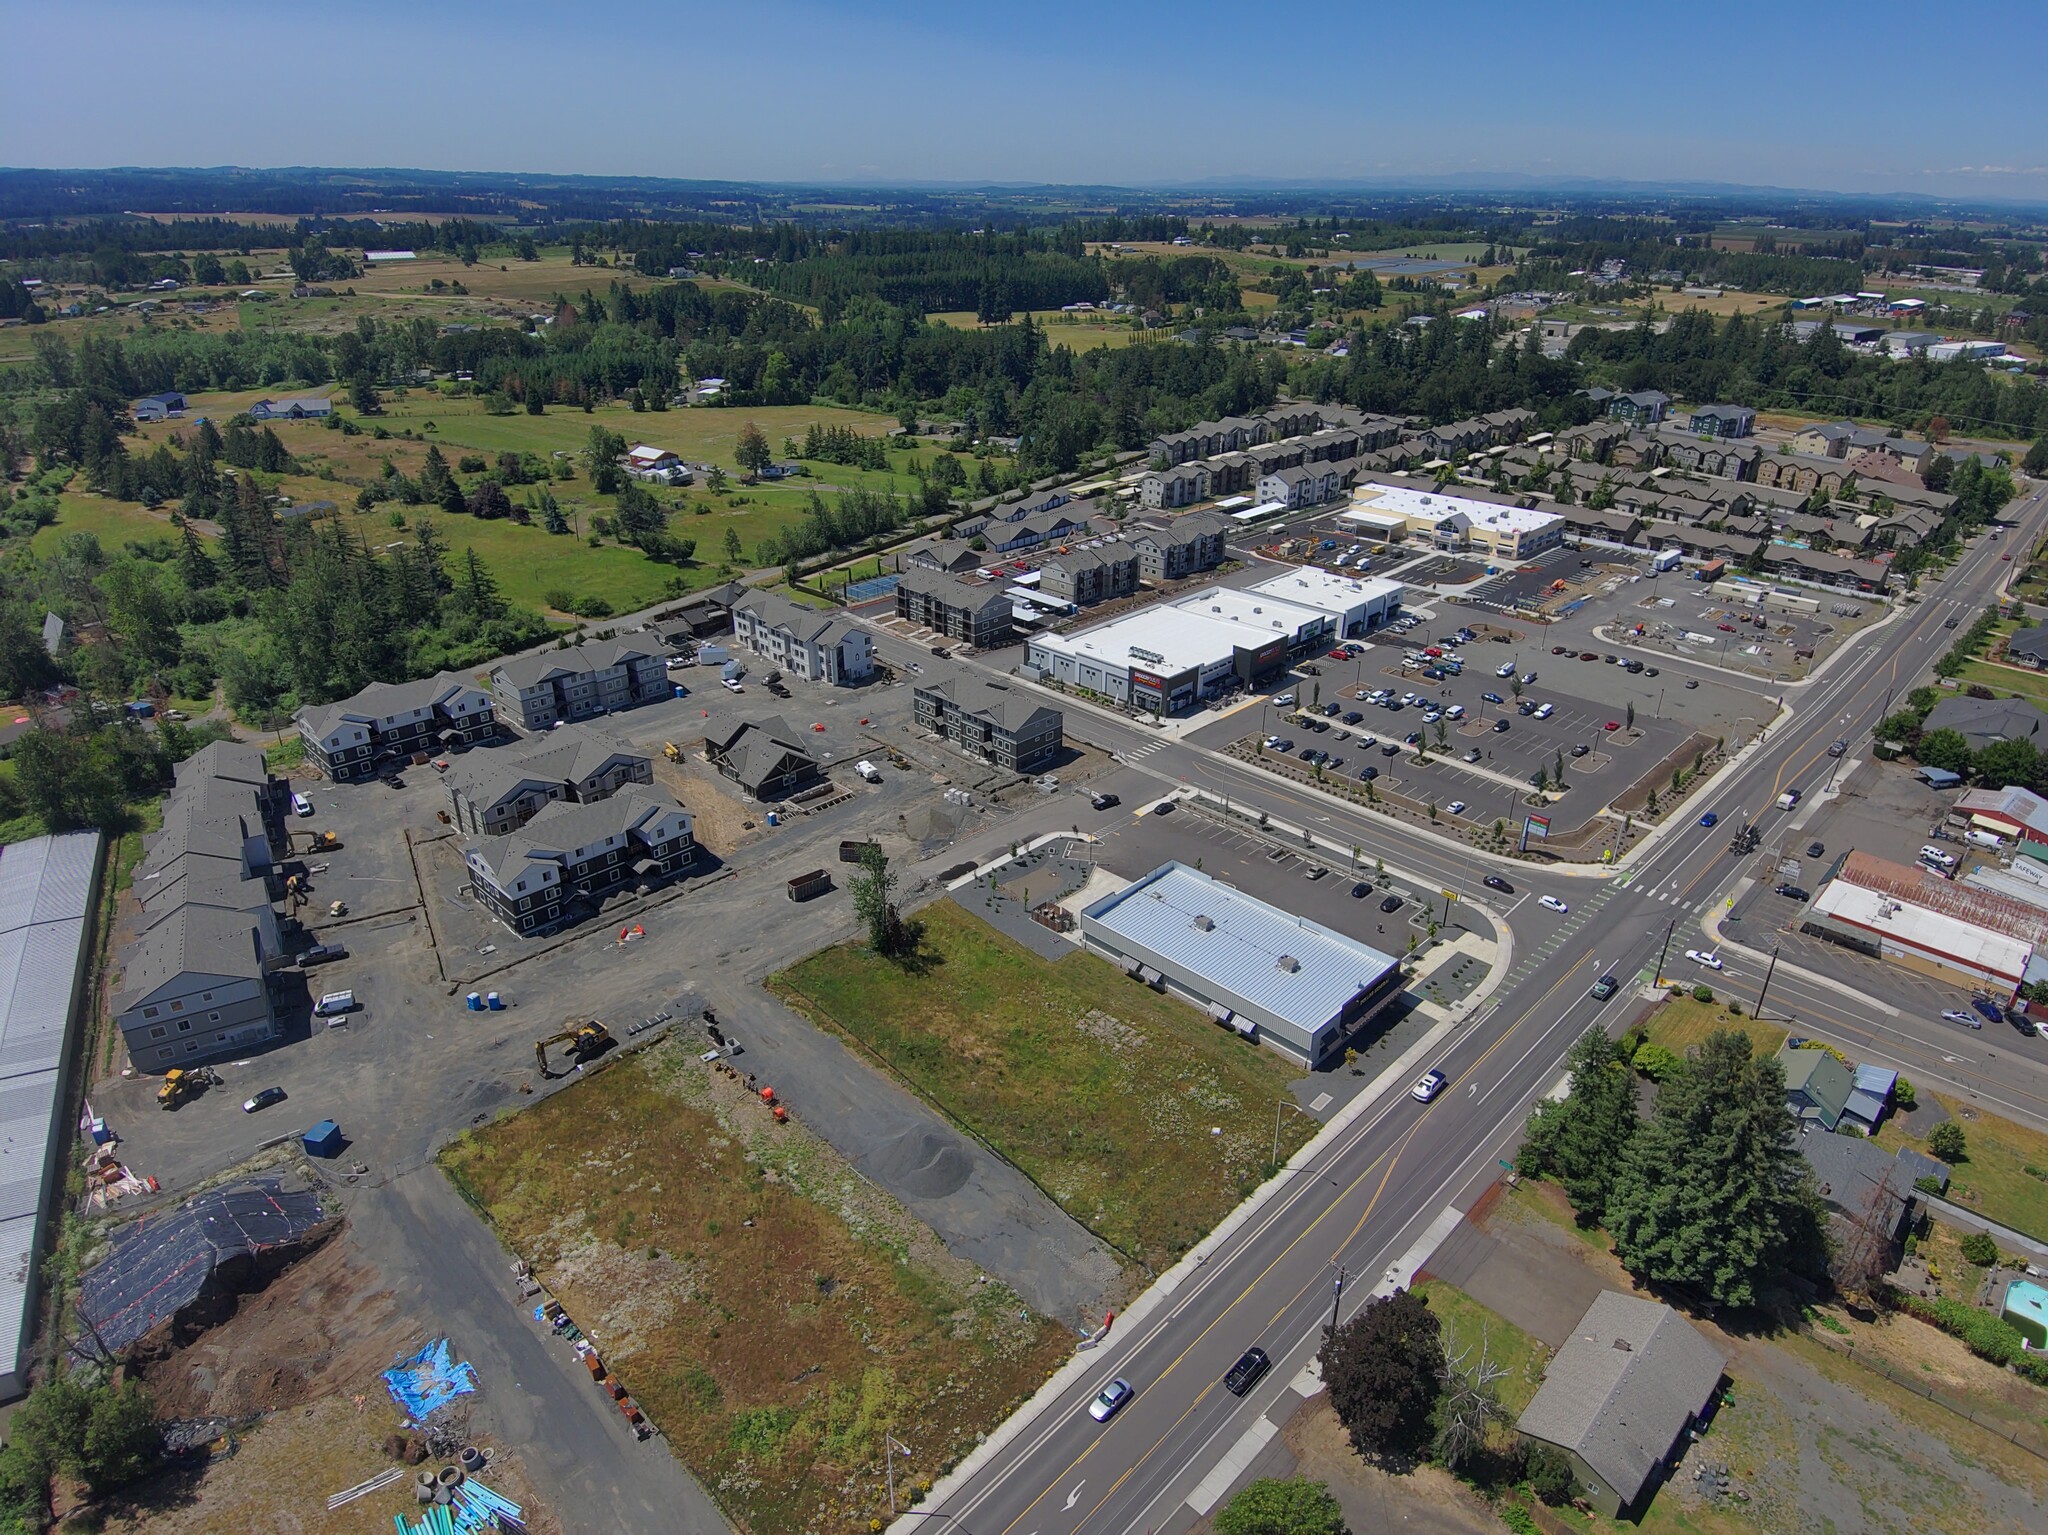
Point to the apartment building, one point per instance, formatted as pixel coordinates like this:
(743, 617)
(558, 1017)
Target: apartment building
(387, 722)
(819, 647)
(976, 613)
(599, 677)
(1010, 728)
(564, 861)
(495, 792)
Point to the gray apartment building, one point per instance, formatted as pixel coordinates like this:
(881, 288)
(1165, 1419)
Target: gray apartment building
(1009, 728)
(496, 792)
(561, 863)
(387, 722)
(1184, 546)
(577, 683)
(765, 757)
(974, 612)
(1090, 573)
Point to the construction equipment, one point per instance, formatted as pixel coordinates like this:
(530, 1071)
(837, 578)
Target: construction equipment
(586, 1042)
(322, 842)
(180, 1084)
(673, 752)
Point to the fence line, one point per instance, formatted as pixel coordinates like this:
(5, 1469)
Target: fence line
(1921, 1388)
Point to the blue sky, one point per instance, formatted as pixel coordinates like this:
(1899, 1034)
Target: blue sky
(1874, 96)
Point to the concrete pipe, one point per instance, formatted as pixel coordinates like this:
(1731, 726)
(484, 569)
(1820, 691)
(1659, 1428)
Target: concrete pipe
(471, 1459)
(451, 1477)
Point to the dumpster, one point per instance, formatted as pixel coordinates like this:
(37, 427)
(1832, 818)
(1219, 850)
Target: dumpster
(805, 886)
(323, 1140)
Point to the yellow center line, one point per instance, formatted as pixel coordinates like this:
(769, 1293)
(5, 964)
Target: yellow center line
(1391, 1157)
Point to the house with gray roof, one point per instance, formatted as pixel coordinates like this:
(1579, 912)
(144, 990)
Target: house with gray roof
(498, 791)
(1619, 1399)
(2029, 647)
(1012, 728)
(560, 865)
(577, 682)
(1985, 721)
(817, 646)
(387, 722)
(1868, 1192)
(308, 409)
(54, 634)
(766, 758)
(1722, 420)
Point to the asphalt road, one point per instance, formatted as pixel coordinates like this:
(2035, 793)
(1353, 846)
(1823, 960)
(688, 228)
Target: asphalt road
(1395, 1170)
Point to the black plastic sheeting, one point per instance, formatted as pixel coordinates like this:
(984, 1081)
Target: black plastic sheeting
(161, 1263)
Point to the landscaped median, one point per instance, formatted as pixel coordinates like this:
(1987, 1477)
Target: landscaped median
(773, 1312)
(1141, 1118)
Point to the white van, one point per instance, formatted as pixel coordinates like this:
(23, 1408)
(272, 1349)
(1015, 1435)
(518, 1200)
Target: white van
(301, 805)
(1456, 711)
(1983, 839)
(1546, 711)
(1788, 799)
(335, 1002)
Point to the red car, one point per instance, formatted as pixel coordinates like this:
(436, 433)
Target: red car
(1612, 725)
(1340, 655)
(2005, 556)
(1726, 628)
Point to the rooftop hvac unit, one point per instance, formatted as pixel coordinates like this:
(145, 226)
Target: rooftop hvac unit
(1203, 924)
(1289, 963)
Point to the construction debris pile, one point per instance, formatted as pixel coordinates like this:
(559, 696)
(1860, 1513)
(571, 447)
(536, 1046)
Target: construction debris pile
(164, 1261)
(550, 1312)
(456, 1503)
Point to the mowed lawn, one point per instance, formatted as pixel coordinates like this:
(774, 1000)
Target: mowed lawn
(2004, 1177)
(1680, 1023)
(1076, 334)
(1145, 1121)
(772, 1311)
(1470, 1327)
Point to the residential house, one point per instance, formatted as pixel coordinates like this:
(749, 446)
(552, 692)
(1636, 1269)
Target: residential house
(496, 792)
(560, 864)
(703, 613)
(1817, 1085)
(1870, 1194)
(1182, 547)
(1985, 721)
(1620, 1399)
(309, 409)
(2029, 647)
(1870, 1098)
(766, 758)
(979, 614)
(387, 722)
(817, 646)
(576, 683)
(1090, 573)
(159, 407)
(659, 466)
(1009, 727)
(1802, 471)
(1722, 420)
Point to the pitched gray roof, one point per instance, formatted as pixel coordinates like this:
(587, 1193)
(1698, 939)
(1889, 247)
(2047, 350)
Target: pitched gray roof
(1623, 1388)
(233, 760)
(1984, 720)
(202, 940)
(2031, 643)
(755, 749)
(593, 656)
(778, 612)
(562, 827)
(381, 700)
(567, 754)
(1014, 709)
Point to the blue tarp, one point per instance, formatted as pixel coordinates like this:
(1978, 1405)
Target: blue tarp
(429, 1381)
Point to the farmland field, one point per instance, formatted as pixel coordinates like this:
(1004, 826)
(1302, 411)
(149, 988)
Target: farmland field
(1061, 329)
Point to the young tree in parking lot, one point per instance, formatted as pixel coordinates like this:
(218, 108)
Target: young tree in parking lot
(873, 885)
(1557, 769)
(1384, 1369)
(1515, 687)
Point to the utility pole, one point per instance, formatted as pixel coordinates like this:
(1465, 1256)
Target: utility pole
(1668, 931)
(1336, 1296)
(1769, 970)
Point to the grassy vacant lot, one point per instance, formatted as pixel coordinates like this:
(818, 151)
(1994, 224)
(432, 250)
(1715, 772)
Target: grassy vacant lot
(1073, 332)
(1680, 1023)
(1994, 1180)
(1143, 1120)
(1467, 1324)
(771, 1310)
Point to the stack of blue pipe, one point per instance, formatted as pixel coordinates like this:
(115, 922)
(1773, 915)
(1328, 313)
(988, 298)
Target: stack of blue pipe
(476, 1511)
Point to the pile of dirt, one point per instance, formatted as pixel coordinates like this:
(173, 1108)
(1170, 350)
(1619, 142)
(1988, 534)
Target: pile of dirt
(924, 1162)
(314, 1328)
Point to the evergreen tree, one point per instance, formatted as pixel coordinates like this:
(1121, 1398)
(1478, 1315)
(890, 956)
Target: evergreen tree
(195, 565)
(1579, 1140)
(479, 589)
(1710, 1189)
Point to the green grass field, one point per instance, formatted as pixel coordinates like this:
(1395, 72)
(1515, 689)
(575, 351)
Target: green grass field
(112, 522)
(1061, 329)
(1468, 1324)
(1142, 1119)
(1993, 1180)
(1680, 1023)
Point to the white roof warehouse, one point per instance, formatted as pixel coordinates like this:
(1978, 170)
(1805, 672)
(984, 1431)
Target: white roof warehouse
(1290, 982)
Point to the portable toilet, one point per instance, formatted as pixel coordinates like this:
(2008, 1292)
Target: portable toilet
(474, 1002)
(323, 1140)
(493, 1002)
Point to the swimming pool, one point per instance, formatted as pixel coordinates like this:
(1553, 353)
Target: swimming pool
(2026, 1304)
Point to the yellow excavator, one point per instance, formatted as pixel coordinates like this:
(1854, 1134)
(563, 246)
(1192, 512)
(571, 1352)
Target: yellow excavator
(586, 1042)
(322, 842)
(673, 752)
(180, 1084)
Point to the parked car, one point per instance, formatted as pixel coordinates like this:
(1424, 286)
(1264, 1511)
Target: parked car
(301, 805)
(1588, 655)
(1581, 749)
(1499, 726)
(1391, 749)
(1164, 807)
(334, 1004)
(1456, 807)
(1430, 1084)
(1552, 903)
(1473, 755)
(1340, 654)
(1352, 717)
(1704, 957)
(1105, 801)
(1361, 889)
(1283, 698)
(1692, 682)
(1612, 725)
(732, 684)
(1493, 698)
(1816, 850)
(1988, 1008)
(263, 1100)
(1252, 1364)
(1558, 650)
(322, 954)
(1390, 904)
(1368, 774)
(1111, 1400)
(1495, 882)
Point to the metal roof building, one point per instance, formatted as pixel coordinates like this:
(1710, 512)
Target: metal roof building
(47, 889)
(1293, 983)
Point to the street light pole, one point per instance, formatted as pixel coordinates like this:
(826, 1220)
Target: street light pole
(1336, 1296)
(890, 1447)
(1769, 970)
(1661, 953)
